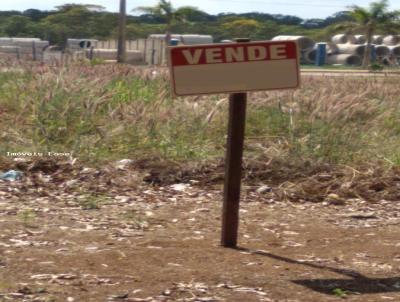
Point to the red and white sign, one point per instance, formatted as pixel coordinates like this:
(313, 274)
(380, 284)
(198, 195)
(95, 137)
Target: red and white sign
(234, 67)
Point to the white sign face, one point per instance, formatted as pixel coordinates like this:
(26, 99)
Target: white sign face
(234, 67)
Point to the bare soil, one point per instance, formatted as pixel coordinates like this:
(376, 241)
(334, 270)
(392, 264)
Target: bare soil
(128, 232)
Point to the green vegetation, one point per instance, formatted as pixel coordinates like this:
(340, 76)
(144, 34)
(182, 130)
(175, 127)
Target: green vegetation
(368, 21)
(166, 12)
(108, 112)
(338, 292)
(91, 21)
(90, 203)
(27, 217)
(135, 219)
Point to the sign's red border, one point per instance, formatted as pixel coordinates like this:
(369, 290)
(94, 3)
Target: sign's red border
(171, 67)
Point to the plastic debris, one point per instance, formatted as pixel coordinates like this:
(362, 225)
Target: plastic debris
(11, 175)
(264, 189)
(180, 187)
(123, 163)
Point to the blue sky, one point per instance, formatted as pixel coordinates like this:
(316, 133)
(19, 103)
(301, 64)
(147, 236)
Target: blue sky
(303, 9)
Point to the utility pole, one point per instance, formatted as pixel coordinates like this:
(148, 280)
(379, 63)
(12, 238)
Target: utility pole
(121, 53)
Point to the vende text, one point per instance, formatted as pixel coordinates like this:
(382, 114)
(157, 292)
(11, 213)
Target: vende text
(233, 54)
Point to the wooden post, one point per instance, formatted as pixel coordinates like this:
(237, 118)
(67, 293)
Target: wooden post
(145, 51)
(91, 53)
(233, 167)
(153, 51)
(33, 50)
(18, 53)
(121, 52)
(163, 58)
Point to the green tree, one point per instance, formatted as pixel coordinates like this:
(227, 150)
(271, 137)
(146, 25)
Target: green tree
(140, 31)
(242, 28)
(193, 14)
(101, 25)
(70, 21)
(164, 10)
(18, 26)
(369, 20)
(35, 14)
(86, 7)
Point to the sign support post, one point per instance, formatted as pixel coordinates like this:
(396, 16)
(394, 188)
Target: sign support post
(233, 169)
(233, 166)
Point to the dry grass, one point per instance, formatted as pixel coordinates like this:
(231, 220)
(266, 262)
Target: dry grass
(340, 119)
(109, 111)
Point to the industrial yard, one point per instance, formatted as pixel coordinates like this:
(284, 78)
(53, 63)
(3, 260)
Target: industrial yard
(341, 49)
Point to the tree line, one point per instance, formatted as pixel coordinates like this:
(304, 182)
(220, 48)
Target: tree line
(92, 21)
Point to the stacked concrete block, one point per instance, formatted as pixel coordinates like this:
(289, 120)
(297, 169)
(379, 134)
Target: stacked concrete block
(132, 56)
(79, 44)
(23, 48)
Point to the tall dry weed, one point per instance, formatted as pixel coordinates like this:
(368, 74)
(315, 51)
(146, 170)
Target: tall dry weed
(106, 111)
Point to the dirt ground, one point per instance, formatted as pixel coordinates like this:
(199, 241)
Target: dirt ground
(79, 234)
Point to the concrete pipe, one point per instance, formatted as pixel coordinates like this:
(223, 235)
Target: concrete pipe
(377, 39)
(311, 55)
(186, 39)
(303, 59)
(81, 43)
(381, 50)
(352, 49)
(308, 56)
(391, 40)
(345, 59)
(343, 39)
(388, 61)
(394, 50)
(162, 37)
(360, 39)
(332, 49)
(303, 42)
(197, 39)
